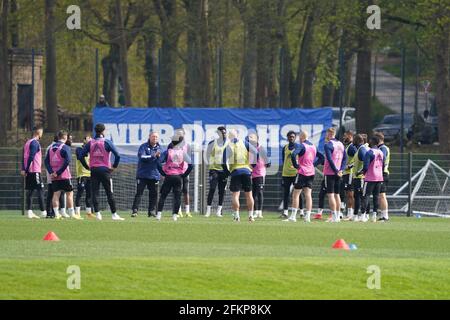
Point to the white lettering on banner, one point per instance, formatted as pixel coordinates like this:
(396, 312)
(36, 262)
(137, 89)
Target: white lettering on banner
(284, 131)
(194, 133)
(316, 133)
(133, 134)
(145, 131)
(165, 131)
(116, 132)
(211, 132)
(241, 130)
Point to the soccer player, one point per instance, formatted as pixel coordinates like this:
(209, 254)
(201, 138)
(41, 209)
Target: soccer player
(57, 163)
(147, 175)
(185, 189)
(335, 162)
(62, 197)
(83, 181)
(347, 177)
(175, 160)
(237, 156)
(387, 157)
(289, 172)
(258, 174)
(373, 176)
(306, 153)
(31, 170)
(217, 176)
(99, 150)
(358, 180)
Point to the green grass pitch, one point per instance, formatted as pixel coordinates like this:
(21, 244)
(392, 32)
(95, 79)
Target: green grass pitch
(215, 258)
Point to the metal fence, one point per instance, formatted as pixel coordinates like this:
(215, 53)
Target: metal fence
(428, 192)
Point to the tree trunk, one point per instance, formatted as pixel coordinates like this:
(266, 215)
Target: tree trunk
(14, 25)
(306, 42)
(363, 87)
(198, 64)
(285, 59)
(443, 90)
(4, 73)
(151, 69)
(123, 57)
(50, 67)
(248, 75)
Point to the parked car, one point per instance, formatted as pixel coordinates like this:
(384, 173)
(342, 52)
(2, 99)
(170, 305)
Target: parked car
(348, 120)
(390, 126)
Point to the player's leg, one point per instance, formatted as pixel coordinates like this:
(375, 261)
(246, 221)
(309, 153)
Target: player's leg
(286, 191)
(235, 188)
(62, 204)
(40, 193)
(50, 213)
(56, 200)
(107, 183)
(165, 190)
(177, 186)
(213, 182)
(68, 188)
(384, 207)
(95, 191)
(307, 191)
(322, 194)
(88, 198)
(247, 187)
(295, 198)
(81, 188)
(30, 186)
(186, 199)
(337, 193)
(223, 179)
(152, 186)
(300, 205)
(258, 195)
(367, 191)
(375, 195)
(329, 183)
(140, 187)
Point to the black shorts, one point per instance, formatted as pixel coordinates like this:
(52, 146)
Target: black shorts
(333, 184)
(302, 181)
(185, 189)
(33, 181)
(62, 185)
(385, 183)
(242, 182)
(358, 185)
(83, 181)
(348, 182)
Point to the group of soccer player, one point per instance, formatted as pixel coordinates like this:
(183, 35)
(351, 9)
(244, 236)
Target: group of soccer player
(357, 167)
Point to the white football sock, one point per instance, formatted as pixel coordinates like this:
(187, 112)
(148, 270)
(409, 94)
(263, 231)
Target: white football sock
(286, 212)
(44, 213)
(293, 214)
(186, 208)
(88, 210)
(63, 211)
(250, 214)
(71, 212)
(208, 210)
(56, 210)
(78, 210)
(302, 212)
(219, 209)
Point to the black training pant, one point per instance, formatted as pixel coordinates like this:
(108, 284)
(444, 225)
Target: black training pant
(171, 183)
(217, 178)
(83, 184)
(100, 176)
(257, 191)
(152, 186)
(371, 188)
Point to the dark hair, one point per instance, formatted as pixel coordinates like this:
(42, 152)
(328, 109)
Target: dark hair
(37, 128)
(365, 137)
(374, 140)
(358, 139)
(99, 128)
(380, 135)
(221, 128)
(87, 136)
(55, 138)
(62, 133)
(291, 133)
(349, 133)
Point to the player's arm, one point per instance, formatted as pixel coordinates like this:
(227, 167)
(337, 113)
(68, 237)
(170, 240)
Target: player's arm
(368, 158)
(319, 160)
(298, 152)
(328, 148)
(227, 153)
(142, 155)
(66, 155)
(263, 154)
(344, 161)
(162, 159)
(351, 153)
(112, 148)
(82, 155)
(253, 152)
(187, 158)
(47, 162)
(209, 150)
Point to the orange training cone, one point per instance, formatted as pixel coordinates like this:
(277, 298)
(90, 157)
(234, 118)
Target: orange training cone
(341, 244)
(51, 236)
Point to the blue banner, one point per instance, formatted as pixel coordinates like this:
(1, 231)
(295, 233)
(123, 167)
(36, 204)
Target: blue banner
(131, 126)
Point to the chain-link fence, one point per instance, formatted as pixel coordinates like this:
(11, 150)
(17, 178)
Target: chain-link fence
(428, 193)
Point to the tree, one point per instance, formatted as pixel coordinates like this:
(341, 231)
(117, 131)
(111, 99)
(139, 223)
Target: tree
(123, 57)
(50, 67)
(4, 74)
(167, 13)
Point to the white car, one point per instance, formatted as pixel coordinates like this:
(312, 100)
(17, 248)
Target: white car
(348, 119)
